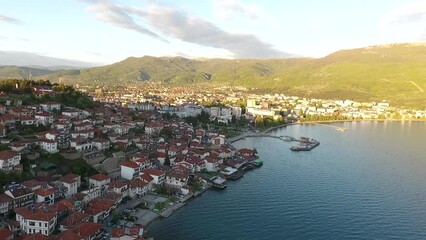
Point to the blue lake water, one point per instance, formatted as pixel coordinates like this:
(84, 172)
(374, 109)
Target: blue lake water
(368, 182)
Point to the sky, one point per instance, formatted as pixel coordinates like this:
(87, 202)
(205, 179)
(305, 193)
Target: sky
(107, 31)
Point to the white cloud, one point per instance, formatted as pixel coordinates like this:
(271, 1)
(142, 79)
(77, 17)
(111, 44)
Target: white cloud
(116, 15)
(406, 23)
(409, 13)
(7, 19)
(228, 8)
(178, 24)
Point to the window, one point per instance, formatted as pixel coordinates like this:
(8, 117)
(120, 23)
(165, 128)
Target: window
(31, 223)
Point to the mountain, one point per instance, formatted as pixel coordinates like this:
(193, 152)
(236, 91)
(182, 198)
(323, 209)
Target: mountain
(395, 72)
(7, 72)
(16, 58)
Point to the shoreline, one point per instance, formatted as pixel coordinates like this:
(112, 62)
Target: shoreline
(245, 134)
(178, 205)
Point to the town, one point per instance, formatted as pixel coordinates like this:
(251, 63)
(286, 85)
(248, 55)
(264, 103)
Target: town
(104, 162)
(103, 172)
(223, 103)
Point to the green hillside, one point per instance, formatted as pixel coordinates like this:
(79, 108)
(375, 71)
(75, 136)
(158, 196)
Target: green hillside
(395, 72)
(15, 72)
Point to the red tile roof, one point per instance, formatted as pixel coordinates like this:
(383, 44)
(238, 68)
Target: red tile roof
(4, 155)
(87, 229)
(75, 218)
(129, 164)
(6, 234)
(38, 214)
(154, 172)
(31, 183)
(35, 236)
(99, 177)
(146, 177)
(44, 192)
(5, 198)
(102, 204)
(136, 183)
(117, 184)
(134, 232)
(43, 114)
(68, 235)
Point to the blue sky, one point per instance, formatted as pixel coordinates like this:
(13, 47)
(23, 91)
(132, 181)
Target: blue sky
(104, 31)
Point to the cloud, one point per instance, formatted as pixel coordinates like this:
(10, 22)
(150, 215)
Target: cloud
(177, 24)
(8, 19)
(115, 14)
(228, 8)
(409, 13)
(22, 39)
(193, 29)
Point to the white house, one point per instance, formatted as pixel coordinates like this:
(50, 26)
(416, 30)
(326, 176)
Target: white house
(81, 144)
(50, 146)
(212, 164)
(147, 179)
(46, 196)
(44, 118)
(50, 106)
(37, 219)
(101, 144)
(5, 203)
(120, 187)
(158, 175)
(177, 177)
(29, 121)
(71, 113)
(219, 140)
(129, 170)
(137, 188)
(99, 180)
(71, 184)
(9, 160)
(21, 196)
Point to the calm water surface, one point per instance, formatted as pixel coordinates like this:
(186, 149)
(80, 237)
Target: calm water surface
(368, 182)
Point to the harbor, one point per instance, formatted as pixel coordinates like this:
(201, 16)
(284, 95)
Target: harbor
(305, 143)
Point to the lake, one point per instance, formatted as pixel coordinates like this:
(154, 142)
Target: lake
(367, 182)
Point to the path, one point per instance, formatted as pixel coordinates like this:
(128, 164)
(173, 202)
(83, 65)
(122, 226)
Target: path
(417, 86)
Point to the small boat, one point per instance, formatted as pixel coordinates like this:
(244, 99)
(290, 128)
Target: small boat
(257, 163)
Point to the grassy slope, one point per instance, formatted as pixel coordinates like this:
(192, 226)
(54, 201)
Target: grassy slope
(366, 74)
(7, 72)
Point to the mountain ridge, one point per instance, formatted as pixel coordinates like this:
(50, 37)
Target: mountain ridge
(393, 72)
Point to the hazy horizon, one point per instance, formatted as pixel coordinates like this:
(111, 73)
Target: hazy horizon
(105, 32)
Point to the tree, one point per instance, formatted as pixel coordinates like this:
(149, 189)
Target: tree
(167, 133)
(115, 217)
(167, 161)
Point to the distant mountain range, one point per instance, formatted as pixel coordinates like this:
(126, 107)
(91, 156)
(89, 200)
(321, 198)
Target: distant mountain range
(395, 72)
(26, 59)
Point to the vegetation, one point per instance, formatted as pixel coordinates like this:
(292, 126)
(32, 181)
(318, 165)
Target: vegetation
(67, 95)
(77, 166)
(8, 177)
(392, 72)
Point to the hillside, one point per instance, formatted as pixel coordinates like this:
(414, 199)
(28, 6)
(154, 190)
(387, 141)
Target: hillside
(395, 72)
(14, 72)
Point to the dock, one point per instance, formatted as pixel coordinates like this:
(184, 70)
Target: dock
(306, 144)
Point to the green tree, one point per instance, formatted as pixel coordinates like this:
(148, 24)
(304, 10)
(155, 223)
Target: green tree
(167, 161)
